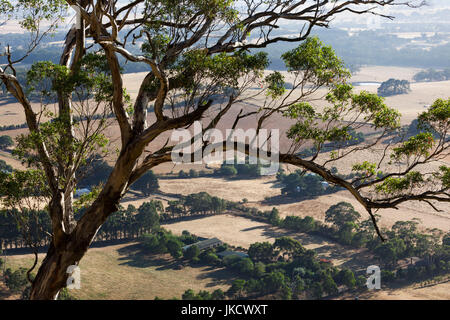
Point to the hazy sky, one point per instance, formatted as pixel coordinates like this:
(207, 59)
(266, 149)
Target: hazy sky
(397, 11)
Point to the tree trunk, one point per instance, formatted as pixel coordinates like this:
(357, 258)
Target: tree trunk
(52, 275)
(67, 249)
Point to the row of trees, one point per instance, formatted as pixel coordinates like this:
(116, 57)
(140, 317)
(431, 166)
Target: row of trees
(241, 170)
(192, 174)
(13, 127)
(286, 270)
(36, 228)
(194, 204)
(5, 167)
(238, 170)
(344, 226)
(432, 75)
(131, 222)
(342, 217)
(300, 184)
(404, 240)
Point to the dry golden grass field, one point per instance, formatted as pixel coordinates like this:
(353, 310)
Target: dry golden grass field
(434, 292)
(117, 272)
(121, 272)
(256, 191)
(440, 290)
(408, 104)
(239, 231)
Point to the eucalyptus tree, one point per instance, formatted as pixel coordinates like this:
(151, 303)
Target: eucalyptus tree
(201, 59)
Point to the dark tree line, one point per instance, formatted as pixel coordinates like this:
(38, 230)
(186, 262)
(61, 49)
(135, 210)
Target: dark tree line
(131, 222)
(5, 167)
(6, 142)
(300, 184)
(282, 270)
(195, 204)
(404, 240)
(393, 87)
(432, 75)
(241, 170)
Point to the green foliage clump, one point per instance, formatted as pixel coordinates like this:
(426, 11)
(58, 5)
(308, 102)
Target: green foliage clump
(342, 213)
(346, 277)
(318, 62)
(261, 252)
(227, 170)
(309, 122)
(217, 294)
(6, 142)
(202, 202)
(191, 253)
(436, 119)
(242, 170)
(299, 184)
(394, 87)
(396, 185)
(345, 218)
(430, 75)
(4, 167)
(416, 146)
(147, 183)
(306, 224)
(17, 280)
(163, 241)
(182, 174)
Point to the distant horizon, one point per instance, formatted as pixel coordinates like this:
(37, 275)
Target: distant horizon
(340, 21)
